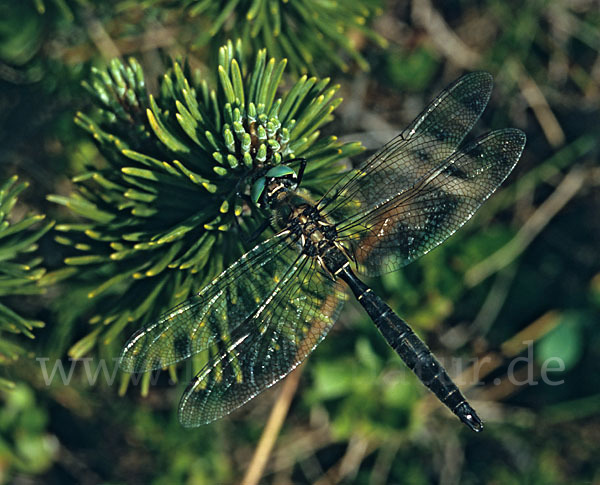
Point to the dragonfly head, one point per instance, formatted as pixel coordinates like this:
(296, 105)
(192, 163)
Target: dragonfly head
(275, 181)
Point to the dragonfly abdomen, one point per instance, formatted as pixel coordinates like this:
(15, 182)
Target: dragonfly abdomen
(412, 350)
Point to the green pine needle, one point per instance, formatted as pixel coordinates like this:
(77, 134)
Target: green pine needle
(301, 30)
(20, 271)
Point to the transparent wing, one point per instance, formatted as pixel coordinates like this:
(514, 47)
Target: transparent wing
(270, 344)
(422, 147)
(409, 225)
(214, 313)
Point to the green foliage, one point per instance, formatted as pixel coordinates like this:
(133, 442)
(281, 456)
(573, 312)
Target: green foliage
(411, 70)
(563, 344)
(24, 441)
(20, 270)
(169, 211)
(310, 33)
(345, 385)
(21, 33)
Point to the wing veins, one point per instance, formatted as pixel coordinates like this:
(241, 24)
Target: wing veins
(280, 357)
(208, 297)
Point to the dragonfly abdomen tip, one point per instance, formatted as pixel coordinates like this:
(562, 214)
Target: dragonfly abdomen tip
(468, 416)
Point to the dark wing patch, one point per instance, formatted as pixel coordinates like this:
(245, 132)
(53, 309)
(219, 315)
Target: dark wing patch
(417, 220)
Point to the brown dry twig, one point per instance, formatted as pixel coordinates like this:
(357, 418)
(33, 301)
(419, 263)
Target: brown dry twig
(443, 37)
(537, 101)
(269, 436)
(347, 467)
(565, 191)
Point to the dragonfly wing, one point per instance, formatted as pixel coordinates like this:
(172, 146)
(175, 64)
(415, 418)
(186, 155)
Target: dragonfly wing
(423, 146)
(270, 344)
(414, 222)
(215, 312)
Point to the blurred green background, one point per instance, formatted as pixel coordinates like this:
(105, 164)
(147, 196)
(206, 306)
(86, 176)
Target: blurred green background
(512, 297)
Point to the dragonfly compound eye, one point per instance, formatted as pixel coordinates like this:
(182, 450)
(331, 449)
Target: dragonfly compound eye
(258, 189)
(281, 171)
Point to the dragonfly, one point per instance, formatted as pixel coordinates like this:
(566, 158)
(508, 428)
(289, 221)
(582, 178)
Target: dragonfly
(261, 317)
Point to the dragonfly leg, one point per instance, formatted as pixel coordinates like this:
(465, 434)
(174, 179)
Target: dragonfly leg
(300, 170)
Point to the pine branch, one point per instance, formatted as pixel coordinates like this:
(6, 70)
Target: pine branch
(306, 32)
(171, 209)
(20, 271)
(310, 33)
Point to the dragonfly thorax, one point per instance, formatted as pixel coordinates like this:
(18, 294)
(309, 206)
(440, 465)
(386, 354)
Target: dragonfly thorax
(318, 237)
